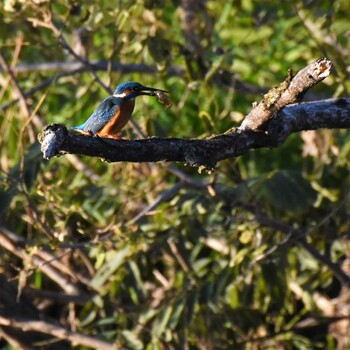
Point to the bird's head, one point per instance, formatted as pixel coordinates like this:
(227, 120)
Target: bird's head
(132, 89)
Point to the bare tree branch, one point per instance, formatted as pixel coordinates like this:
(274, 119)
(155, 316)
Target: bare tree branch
(78, 67)
(321, 36)
(56, 140)
(299, 236)
(292, 235)
(289, 91)
(19, 93)
(73, 67)
(46, 262)
(56, 331)
(277, 121)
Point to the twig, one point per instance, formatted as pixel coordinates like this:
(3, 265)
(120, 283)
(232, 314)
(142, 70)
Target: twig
(80, 166)
(79, 67)
(49, 23)
(319, 35)
(15, 58)
(45, 262)
(38, 87)
(299, 236)
(53, 296)
(20, 95)
(293, 235)
(165, 196)
(18, 90)
(75, 338)
(71, 68)
(325, 321)
(181, 260)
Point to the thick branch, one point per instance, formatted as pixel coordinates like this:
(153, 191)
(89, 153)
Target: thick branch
(335, 113)
(289, 91)
(326, 114)
(267, 125)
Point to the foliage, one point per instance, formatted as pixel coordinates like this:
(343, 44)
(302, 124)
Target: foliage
(217, 261)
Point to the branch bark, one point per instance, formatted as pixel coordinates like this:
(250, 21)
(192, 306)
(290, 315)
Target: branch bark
(56, 140)
(57, 331)
(267, 125)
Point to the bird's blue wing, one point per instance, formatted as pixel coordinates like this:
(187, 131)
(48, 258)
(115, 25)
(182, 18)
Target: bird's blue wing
(101, 116)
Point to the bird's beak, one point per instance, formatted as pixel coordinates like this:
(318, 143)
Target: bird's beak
(151, 91)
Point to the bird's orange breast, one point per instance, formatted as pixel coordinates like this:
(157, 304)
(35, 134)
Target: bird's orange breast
(118, 121)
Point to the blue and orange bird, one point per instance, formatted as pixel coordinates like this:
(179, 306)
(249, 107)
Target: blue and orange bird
(114, 112)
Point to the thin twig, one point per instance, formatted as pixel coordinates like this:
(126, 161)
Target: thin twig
(297, 329)
(80, 67)
(299, 236)
(57, 331)
(320, 35)
(20, 95)
(165, 196)
(45, 262)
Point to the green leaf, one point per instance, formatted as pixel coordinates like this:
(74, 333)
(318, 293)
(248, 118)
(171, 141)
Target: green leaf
(131, 340)
(177, 312)
(159, 326)
(246, 236)
(232, 296)
(139, 285)
(115, 260)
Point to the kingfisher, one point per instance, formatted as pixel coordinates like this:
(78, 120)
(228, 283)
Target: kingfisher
(114, 112)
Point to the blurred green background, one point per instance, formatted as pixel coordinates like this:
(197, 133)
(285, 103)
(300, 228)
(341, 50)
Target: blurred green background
(253, 256)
